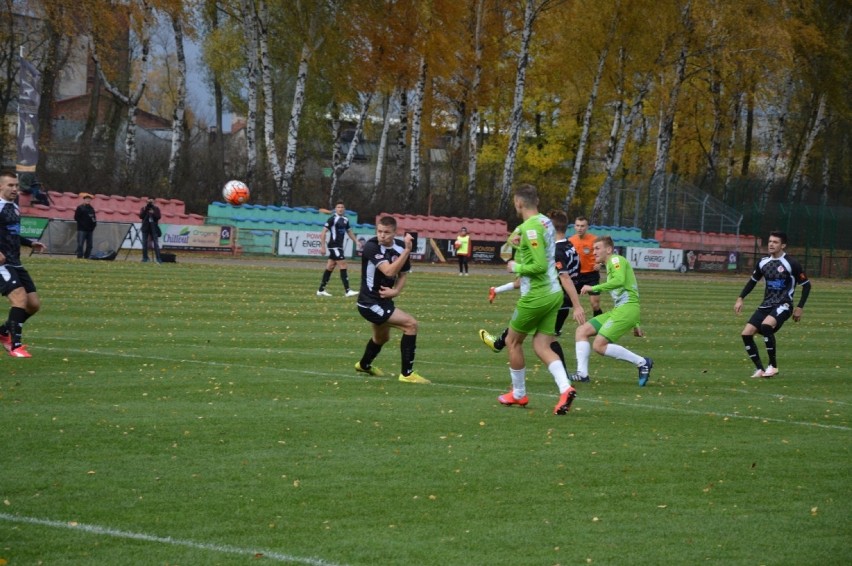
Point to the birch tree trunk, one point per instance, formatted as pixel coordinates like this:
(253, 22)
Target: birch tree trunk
(516, 120)
(715, 144)
(604, 198)
(587, 118)
(250, 50)
(816, 128)
(416, 120)
(286, 188)
(748, 134)
(666, 131)
(340, 168)
(383, 149)
(402, 135)
(180, 106)
(268, 95)
(826, 172)
(473, 130)
(773, 175)
(131, 100)
(732, 143)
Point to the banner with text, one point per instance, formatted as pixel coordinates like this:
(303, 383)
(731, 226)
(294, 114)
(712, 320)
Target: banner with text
(186, 237)
(300, 244)
(655, 258)
(697, 260)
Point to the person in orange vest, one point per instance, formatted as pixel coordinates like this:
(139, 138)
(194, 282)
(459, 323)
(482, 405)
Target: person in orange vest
(584, 241)
(464, 250)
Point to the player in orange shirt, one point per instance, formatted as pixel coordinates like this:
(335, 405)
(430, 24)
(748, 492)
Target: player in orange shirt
(584, 241)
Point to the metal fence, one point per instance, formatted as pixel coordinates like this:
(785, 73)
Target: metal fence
(820, 236)
(680, 207)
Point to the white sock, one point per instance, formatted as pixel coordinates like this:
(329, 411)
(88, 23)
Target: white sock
(504, 287)
(519, 382)
(622, 353)
(557, 370)
(583, 350)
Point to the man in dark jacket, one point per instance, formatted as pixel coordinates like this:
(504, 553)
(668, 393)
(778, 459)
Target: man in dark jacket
(86, 222)
(150, 215)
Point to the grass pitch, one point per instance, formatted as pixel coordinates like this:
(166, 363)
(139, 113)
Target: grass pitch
(209, 414)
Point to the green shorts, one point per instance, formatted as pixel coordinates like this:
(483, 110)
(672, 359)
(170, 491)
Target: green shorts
(614, 324)
(536, 314)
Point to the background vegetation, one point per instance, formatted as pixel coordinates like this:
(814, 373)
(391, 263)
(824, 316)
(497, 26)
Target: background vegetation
(748, 100)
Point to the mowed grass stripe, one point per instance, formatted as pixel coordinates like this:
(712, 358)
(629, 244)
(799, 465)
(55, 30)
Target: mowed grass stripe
(217, 403)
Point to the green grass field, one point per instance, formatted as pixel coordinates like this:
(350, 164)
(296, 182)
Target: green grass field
(208, 413)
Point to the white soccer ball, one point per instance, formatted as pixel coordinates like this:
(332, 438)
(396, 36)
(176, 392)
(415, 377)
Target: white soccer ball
(236, 193)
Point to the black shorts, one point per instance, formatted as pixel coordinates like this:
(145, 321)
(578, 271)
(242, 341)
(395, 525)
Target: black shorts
(336, 254)
(590, 278)
(779, 312)
(13, 277)
(378, 313)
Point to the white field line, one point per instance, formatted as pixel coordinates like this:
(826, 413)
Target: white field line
(115, 533)
(335, 375)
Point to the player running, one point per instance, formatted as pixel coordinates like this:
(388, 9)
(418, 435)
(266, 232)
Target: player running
(610, 326)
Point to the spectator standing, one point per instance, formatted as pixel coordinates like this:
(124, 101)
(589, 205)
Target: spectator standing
(150, 215)
(464, 250)
(86, 220)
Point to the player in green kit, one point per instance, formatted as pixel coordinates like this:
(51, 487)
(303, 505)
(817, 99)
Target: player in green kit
(538, 306)
(612, 325)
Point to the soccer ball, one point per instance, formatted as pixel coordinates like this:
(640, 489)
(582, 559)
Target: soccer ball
(236, 193)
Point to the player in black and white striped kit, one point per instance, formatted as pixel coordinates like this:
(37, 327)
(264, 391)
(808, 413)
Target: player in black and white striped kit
(384, 271)
(782, 274)
(15, 282)
(337, 228)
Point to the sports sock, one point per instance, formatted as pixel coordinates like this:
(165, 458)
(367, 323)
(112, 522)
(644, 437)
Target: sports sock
(557, 349)
(504, 287)
(560, 376)
(583, 350)
(622, 353)
(17, 316)
(407, 346)
(370, 352)
(326, 275)
(519, 382)
(597, 312)
(751, 350)
(769, 339)
(344, 276)
(561, 316)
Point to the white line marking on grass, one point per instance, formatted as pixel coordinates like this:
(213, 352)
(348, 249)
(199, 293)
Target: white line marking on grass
(790, 397)
(708, 413)
(336, 375)
(115, 533)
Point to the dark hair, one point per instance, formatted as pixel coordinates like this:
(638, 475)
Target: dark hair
(780, 235)
(8, 173)
(581, 219)
(389, 221)
(559, 219)
(528, 194)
